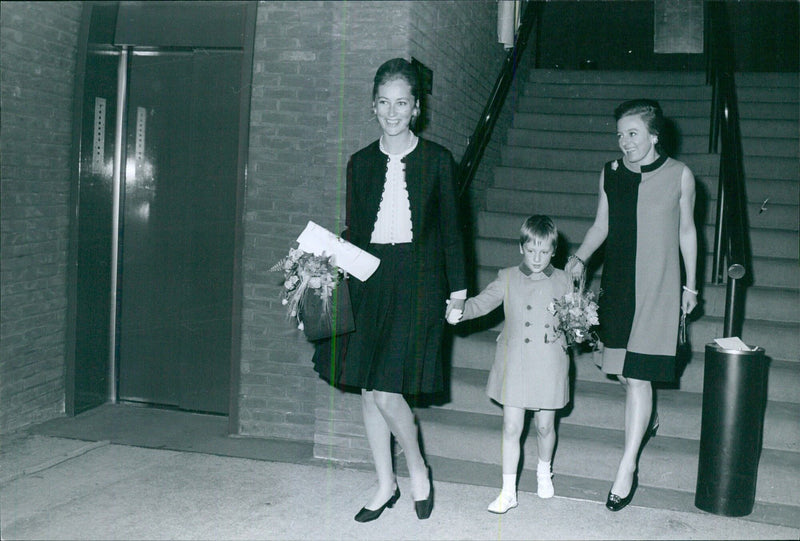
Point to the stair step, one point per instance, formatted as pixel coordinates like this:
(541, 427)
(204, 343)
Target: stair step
(770, 146)
(761, 80)
(497, 225)
(765, 94)
(590, 452)
(603, 406)
(586, 489)
(620, 92)
(551, 180)
(664, 92)
(761, 303)
(476, 351)
(607, 142)
(773, 216)
(700, 108)
(592, 160)
(765, 80)
(778, 271)
(767, 215)
(603, 122)
(643, 78)
(552, 138)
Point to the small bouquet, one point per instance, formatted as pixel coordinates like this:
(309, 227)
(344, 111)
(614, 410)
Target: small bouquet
(309, 284)
(576, 314)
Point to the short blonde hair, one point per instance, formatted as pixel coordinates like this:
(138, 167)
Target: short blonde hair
(539, 227)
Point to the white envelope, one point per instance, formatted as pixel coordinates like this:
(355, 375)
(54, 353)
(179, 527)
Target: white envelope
(317, 240)
(733, 343)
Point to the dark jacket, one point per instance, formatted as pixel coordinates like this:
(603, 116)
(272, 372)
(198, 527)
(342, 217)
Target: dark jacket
(430, 179)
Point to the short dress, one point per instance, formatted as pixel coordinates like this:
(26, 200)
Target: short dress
(531, 366)
(639, 303)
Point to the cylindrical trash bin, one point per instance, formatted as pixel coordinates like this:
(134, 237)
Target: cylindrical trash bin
(734, 399)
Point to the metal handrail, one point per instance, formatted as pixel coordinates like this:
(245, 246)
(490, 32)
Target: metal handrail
(483, 131)
(731, 236)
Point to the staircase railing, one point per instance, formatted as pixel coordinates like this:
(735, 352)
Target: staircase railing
(731, 234)
(483, 131)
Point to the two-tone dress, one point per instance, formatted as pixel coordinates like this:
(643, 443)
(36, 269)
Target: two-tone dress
(639, 304)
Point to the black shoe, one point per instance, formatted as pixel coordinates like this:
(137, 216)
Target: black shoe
(424, 507)
(367, 515)
(615, 503)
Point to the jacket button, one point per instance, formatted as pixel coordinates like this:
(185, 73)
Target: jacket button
(527, 340)
(529, 307)
(527, 323)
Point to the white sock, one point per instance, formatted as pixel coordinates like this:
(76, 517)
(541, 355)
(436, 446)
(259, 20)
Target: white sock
(510, 484)
(543, 467)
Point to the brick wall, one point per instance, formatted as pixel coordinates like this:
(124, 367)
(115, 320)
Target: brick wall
(312, 71)
(311, 109)
(38, 43)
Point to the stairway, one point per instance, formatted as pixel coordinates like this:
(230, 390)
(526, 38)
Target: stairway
(562, 133)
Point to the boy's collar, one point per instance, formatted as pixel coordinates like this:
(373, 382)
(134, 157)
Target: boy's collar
(548, 270)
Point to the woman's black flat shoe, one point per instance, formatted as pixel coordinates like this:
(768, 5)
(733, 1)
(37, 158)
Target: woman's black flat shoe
(424, 507)
(367, 515)
(615, 503)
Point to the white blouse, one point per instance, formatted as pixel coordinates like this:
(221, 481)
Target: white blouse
(393, 224)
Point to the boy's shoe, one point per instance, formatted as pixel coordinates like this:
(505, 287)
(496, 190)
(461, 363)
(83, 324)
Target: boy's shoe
(503, 503)
(544, 482)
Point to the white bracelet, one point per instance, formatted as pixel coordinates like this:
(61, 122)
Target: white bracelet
(692, 291)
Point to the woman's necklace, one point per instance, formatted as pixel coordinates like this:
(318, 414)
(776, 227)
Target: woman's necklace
(411, 141)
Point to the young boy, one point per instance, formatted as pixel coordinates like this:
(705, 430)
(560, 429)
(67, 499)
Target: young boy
(531, 366)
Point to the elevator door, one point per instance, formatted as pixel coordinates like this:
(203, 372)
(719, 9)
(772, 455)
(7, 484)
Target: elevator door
(177, 233)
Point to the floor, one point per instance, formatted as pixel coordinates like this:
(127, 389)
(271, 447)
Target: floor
(121, 472)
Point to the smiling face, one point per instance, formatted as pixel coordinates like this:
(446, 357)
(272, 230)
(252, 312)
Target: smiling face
(636, 141)
(537, 253)
(395, 106)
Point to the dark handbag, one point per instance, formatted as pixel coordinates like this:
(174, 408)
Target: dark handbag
(318, 323)
(683, 339)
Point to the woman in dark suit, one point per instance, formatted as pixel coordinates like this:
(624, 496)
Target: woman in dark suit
(401, 207)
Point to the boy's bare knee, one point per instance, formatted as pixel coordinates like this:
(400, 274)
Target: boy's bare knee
(512, 430)
(544, 429)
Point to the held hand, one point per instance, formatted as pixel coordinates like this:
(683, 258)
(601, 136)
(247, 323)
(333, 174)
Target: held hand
(574, 267)
(688, 301)
(454, 316)
(454, 310)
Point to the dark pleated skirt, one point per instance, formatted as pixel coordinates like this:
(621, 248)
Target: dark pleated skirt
(399, 320)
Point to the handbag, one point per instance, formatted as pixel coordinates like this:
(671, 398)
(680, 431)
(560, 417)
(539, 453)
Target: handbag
(319, 323)
(682, 337)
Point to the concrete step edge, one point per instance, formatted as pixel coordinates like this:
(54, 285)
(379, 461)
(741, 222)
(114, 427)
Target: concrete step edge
(586, 489)
(667, 462)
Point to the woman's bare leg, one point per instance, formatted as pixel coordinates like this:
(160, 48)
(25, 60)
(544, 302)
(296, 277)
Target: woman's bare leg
(380, 442)
(400, 419)
(638, 408)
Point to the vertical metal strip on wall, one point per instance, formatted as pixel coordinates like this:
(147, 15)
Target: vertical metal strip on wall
(116, 207)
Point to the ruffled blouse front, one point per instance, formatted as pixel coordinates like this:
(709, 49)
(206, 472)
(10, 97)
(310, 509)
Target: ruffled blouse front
(393, 223)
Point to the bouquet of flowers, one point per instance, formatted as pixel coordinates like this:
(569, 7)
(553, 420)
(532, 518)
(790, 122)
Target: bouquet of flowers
(308, 287)
(576, 314)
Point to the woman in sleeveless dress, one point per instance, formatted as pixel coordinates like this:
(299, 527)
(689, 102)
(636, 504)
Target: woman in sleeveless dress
(645, 216)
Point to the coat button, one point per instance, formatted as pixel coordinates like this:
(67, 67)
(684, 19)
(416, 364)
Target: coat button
(527, 340)
(529, 307)
(527, 323)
